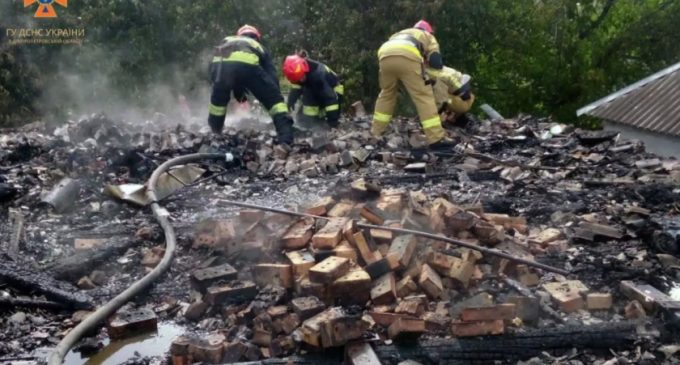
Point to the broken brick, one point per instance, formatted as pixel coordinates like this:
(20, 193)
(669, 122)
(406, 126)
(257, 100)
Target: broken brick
(461, 271)
(277, 274)
(126, 324)
(483, 328)
(305, 287)
(214, 233)
(329, 270)
(82, 244)
(233, 291)
(321, 207)
(352, 288)
(203, 278)
(330, 235)
(307, 307)
(365, 250)
(442, 263)
(390, 204)
(196, 310)
(341, 209)
(430, 282)
(489, 313)
(383, 290)
(599, 301)
(403, 247)
(344, 249)
(373, 214)
(413, 305)
(208, 350)
(299, 234)
(548, 235)
(301, 262)
(250, 215)
(406, 286)
(381, 236)
(567, 294)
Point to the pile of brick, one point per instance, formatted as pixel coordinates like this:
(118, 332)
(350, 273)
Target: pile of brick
(339, 284)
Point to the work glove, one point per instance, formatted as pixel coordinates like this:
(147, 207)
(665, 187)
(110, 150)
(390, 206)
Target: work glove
(464, 91)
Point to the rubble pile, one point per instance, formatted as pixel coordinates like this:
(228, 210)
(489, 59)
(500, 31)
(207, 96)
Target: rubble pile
(250, 285)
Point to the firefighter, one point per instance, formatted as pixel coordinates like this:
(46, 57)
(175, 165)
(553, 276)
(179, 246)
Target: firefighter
(452, 93)
(403, 58)
(242, 64)
(318, 85)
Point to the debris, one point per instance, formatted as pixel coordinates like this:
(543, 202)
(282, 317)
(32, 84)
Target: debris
(489, 313)
(276, 274)
(307, 307)
(650, 297)
(63, 196)
(131, 323)
(634, 310)
(358, 110)
(567, 294)
(479, 328)
(203, 278)
(361, 354)
(232, 292)
(599, 301)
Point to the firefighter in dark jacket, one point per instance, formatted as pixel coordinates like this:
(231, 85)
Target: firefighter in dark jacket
(318, 85)
(242, 64)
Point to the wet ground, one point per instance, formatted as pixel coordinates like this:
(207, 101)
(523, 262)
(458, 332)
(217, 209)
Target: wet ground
(145, 345)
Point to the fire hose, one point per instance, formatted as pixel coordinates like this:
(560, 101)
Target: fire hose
(162, 215)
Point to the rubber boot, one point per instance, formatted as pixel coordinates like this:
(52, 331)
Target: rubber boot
(284, 129)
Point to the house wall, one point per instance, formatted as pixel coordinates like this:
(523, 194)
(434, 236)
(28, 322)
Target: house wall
(661, 144)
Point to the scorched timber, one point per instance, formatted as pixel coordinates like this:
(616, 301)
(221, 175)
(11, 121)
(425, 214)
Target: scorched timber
(23, 278)
(76, 266)
(511, 347)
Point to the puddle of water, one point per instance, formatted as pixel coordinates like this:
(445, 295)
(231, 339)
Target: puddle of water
(118, 351)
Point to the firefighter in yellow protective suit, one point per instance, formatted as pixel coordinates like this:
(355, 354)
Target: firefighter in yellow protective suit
(452, 93)
(403, 58)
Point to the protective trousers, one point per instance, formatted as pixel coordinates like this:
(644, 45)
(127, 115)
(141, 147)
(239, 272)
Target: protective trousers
(392, 70)
(460, 106)
(242, 76)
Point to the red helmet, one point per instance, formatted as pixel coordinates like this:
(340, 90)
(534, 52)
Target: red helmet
(295, 68)
(422, 24)
(249, 29)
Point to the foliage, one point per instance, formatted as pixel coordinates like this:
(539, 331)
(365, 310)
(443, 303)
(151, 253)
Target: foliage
(546, 57)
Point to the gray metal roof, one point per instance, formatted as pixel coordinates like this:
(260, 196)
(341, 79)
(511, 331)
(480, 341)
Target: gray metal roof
(652, 103)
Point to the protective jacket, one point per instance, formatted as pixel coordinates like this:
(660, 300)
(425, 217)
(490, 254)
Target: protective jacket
(452, 91)
(320, 90)
(242, 64)
(415, 44)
